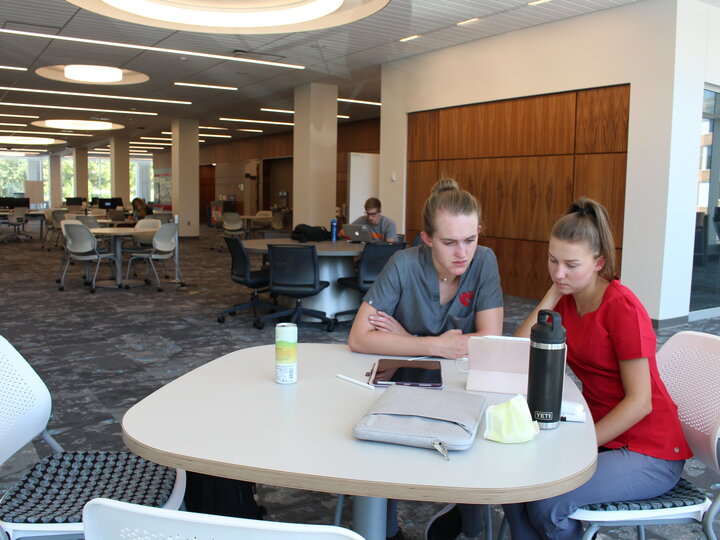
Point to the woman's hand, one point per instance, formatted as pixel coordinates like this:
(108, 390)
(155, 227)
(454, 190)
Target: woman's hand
(382, 322)
(452, 344)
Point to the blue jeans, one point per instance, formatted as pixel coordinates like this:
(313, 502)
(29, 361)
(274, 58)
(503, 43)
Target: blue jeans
(621, 475)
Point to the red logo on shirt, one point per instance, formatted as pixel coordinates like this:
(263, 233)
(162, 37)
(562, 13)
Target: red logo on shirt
(465, 298)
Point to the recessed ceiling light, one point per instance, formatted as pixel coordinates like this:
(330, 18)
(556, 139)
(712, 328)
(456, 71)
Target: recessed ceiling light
(90, 125)
(147, 48)
(85, 94)
(57, 73)
(248, 121)
(12, 153)
(156, 138)
(93, 74)
(537, 2)
(285, 111)
(13, 68)
(409, 38)
(343, 116)
(46, 133)
(210, 127)
(15, 139)
(63, 108)
(251, 130)
(35, 150)
(11, 124)
(360, 101)
(469, 21)
(19, 116)
(213, 86)
(202, 135)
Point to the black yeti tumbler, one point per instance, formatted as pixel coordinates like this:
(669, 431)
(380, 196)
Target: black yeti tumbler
(547, 369)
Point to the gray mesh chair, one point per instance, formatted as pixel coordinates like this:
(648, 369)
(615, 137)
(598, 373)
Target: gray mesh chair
(294, 272)
(49, 498)
(81, 245)
(164, 243)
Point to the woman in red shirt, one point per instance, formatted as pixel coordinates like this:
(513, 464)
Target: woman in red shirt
(611, 349)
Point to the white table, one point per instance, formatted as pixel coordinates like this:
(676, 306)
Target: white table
(229, 418)
(335, 260)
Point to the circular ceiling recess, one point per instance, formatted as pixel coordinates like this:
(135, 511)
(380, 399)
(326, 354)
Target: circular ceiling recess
(88, 125)
(236, 16)
(57, 73)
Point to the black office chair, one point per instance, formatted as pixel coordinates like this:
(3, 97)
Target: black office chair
(372, 261)
(294, 273)
(241, 272)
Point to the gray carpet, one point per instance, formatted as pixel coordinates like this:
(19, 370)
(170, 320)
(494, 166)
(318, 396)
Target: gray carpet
(101, 353)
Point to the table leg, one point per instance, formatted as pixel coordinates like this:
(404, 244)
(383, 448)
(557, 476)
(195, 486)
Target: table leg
(117, 245)
(369, 517)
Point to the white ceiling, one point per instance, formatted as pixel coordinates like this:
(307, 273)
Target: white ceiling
(348, 56)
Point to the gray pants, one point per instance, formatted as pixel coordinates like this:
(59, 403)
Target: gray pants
(621, 475)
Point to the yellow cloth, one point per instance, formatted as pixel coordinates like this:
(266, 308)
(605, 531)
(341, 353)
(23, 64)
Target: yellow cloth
(510, 422)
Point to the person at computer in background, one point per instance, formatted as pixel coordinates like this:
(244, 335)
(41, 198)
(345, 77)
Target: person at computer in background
(611, 349)
(429, 299)
(382, 229)
(140, 208)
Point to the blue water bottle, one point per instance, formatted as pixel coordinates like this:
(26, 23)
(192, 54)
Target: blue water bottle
(333, 229)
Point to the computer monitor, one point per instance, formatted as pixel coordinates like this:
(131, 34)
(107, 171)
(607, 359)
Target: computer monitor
(5, 202)
(21, 202)
(107, 204)
(94, 201)
(73, 201)
(117, 200)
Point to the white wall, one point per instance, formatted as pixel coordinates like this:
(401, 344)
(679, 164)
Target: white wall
(633, 44)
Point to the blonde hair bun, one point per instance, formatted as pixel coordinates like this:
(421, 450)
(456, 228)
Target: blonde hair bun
(445, 184)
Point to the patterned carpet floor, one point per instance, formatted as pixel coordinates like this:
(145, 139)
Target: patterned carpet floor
(101, 353)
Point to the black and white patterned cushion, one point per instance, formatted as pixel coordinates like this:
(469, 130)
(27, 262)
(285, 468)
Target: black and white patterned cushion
(56, 489)
(683, 494)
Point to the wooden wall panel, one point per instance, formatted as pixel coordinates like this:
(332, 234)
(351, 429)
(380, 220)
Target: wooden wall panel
(538, 125)
(423, 135)
(602, 119)
(520, 197)
(277, 145)
(421, 176)
(360, 136)
(602, 177)
(523, 266)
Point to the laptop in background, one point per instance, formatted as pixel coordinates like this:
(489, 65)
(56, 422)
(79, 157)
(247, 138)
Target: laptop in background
(358, 233)
(498, 364)
(116, 215)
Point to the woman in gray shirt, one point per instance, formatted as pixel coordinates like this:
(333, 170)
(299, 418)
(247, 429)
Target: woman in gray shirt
(429, 299)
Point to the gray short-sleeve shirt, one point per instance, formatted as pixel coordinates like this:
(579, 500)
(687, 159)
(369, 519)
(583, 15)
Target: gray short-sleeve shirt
(385, 230)
(409, 290)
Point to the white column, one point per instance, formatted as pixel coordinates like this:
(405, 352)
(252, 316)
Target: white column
(80, 158)
(185, 160)
(120, 168)
(393, 147)
(315, 154)
(56, 200)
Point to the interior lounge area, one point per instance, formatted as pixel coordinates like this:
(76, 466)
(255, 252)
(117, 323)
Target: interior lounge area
(232, 136)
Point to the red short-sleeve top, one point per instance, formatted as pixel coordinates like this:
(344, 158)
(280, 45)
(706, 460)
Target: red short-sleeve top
(620, 329)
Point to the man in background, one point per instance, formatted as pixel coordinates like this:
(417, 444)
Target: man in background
(382, 229)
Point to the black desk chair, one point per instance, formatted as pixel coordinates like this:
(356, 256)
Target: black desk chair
(372, 261)
(241, 272)
(294, 273)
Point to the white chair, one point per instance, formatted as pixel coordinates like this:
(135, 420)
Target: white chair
(689, 365)
(113, 520)
(232, 225)
(48, 500)
(164, 243)
(17, 220)
(260, 224)
(144, 232)
(81, 245)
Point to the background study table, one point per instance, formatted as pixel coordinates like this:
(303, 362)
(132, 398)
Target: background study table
(335, 260)
(229, 418)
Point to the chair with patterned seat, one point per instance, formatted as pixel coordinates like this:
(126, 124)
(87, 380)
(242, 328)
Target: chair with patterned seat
(49, 498)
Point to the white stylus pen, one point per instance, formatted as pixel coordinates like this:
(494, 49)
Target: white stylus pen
(354, 381)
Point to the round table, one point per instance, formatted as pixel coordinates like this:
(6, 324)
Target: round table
(336, 260)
